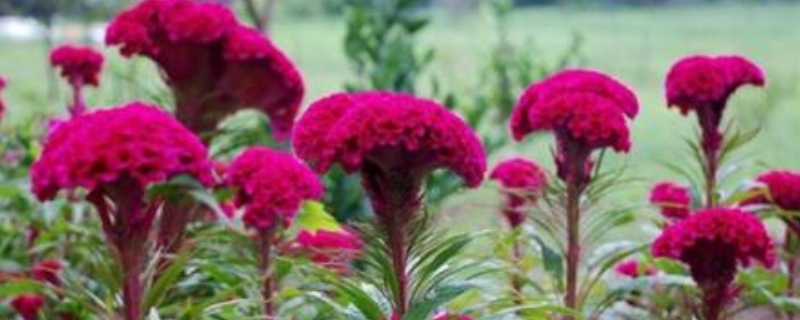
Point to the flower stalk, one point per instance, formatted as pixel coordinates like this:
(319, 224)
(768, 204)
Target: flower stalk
(266, 241)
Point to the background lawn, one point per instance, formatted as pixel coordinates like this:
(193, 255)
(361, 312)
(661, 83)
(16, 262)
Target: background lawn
(636, 45)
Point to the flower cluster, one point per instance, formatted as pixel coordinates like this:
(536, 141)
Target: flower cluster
(700, 82)
(136, 142)
(586, 110)
(392, 133)
(581, 106)
(674, 200)
(331, 249)
(521, 179)
(28, 305)
(714, 241)
(213, 64)
(79, 65)
(783, 189)
(635, 269)
(271, 186)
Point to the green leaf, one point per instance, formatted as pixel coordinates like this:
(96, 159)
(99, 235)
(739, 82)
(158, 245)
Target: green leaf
(553, 261)
(20, 286)
(313, 217)
(423, 309)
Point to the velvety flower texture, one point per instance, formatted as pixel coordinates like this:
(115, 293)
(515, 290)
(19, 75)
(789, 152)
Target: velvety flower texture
(713, 243)
(586, 110)
(703, 84)
(394, 134)
(79, 65)
(783, 188)
(28, 306)
(331, 249)
(136, 143)
(213, 64)
(522, 180)
(634, 269)
(271, 186)
(673, 199)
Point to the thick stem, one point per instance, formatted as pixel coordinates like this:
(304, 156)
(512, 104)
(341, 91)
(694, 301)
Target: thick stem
(396, 231)
(268, 272)
(132, 293)
(78, 105)
(711, 178)
(573, 245)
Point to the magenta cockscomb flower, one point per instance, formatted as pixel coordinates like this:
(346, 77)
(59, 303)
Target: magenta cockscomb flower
(80, 66)
(586, 110)
(271, 186)
(115, 155)
(331, 249)
(634, 269)
(213, 64)
(394, 141)
(673, 199)
(28, 306)
(714, 243)
(783, 189)
(522, 181)
(703, 84)
(108, 151)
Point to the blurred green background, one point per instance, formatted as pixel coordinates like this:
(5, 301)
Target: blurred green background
(636, 41)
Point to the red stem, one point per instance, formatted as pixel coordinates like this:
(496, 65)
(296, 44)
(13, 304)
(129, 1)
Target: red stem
(573, 245)
(268, 272)
(397, 247)
(78, 106)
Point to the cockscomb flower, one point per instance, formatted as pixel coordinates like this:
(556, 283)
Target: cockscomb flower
(714, 243)
(331, 249)
(703, 84)
(79, 65)
(28, 306)
(388, 136)
(213, 64)
(782, 188)
(522, 180)
(133, 145)
(394, 141)
(674, 200)
(586, 110)
(271, 186)
(634, 269)
(115, 155)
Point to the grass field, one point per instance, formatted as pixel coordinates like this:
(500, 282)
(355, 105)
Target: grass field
(636, 45)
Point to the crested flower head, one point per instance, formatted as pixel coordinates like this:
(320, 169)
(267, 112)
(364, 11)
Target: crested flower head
(703, 82)
(79, 65)
(388, 137)
(783, 189)
(214, 65)
(522, 180)
(331, 249)
(271, 186)
(135, 143)
(586, 110)
(674, 200)
(714, 242)
(28, 305)
(634, 269)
